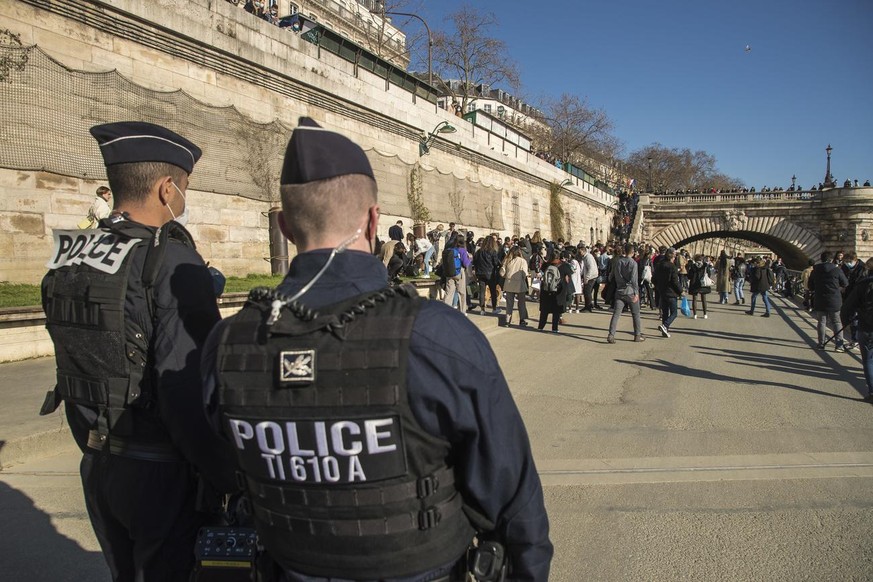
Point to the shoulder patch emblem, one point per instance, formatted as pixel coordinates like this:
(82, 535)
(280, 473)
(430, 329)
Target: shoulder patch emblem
(297, 366)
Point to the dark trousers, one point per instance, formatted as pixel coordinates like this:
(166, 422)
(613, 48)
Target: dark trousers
(549, 305)
(490, 283)
(669, 310)
(143, 516)
(588, 291)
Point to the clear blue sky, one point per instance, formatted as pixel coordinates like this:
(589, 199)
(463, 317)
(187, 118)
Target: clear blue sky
(676, 72)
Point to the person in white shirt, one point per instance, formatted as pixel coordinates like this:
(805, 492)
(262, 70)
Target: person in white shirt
(590, 273)
(424, 247)
(99, 209)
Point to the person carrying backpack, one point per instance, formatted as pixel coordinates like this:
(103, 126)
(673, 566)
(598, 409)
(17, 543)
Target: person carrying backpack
(454, 267)
(551, 286)
(860, 301)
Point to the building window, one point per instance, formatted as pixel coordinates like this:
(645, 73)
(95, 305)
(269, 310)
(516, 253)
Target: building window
(292, 9)
(487, 108)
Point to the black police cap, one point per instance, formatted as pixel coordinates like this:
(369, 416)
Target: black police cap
(315, 153)
(128, 142)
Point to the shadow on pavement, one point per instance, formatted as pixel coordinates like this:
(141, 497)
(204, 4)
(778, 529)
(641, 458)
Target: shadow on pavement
(823, 370)
(674, 368)
(32, 548)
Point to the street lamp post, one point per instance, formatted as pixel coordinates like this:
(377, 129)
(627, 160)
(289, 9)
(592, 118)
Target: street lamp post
(649, 179)
(829, 180)
(429, 38)
(427, 138)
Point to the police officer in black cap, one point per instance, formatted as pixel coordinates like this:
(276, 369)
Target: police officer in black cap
(374, 432)
(128, 306)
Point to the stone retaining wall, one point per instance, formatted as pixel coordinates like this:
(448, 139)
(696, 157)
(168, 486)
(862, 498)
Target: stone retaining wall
(223, 56)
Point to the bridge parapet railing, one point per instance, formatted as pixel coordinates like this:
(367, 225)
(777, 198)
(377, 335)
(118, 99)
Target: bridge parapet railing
(782, 196)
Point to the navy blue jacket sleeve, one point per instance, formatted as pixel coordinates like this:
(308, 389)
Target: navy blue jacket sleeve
(457, 391)
(186, 312)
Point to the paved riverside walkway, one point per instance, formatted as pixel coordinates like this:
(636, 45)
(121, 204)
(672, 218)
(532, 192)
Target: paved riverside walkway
(731, 451)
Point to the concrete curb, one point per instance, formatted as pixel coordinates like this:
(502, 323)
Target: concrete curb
(37, 445)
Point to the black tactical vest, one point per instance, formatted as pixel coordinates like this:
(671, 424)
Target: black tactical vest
(102, 357)
(341, 478)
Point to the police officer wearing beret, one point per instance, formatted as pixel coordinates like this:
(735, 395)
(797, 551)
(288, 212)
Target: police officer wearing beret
(128, 306)
(374, 431)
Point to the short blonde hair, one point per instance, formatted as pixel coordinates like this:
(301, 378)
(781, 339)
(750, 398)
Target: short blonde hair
(335, 205)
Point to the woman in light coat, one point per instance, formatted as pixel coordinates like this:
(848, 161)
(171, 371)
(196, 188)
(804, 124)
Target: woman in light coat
(515, 284)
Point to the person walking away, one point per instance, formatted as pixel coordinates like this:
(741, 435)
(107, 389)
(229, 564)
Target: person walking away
(590, 276)
(668, 289)
(578, 288)
(366, 453)
(682, 265)
(723, 278)
(854, 270)
(455, 263)
(485, 269)
(699, 283)
(565, 299)
(860, 301)
(603, 258)
(627, 292)
(826, 283)
(739, 277)
(128, 314)
(550, 287)
(515, 285)
(804, 280)
(759, 284)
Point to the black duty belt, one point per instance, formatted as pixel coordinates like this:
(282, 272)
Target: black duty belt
(155, 452)
(404, 522)
(373, 495)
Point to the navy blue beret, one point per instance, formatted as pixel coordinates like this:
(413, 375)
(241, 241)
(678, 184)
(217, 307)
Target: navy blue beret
(315, 153)
(138, 141)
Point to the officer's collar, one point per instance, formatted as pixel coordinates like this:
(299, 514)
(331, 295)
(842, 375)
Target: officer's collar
(352, 271)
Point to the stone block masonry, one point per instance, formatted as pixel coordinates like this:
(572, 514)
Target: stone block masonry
(224, 56)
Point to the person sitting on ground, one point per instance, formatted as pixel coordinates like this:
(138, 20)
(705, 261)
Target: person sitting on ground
(396, 263)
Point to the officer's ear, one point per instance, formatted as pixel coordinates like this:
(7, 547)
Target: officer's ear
(284, 228)
(372, 223)
(165, 190)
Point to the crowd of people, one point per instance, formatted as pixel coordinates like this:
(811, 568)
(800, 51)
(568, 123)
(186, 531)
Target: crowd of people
(478, 274)
(765, 190)
(263, 9)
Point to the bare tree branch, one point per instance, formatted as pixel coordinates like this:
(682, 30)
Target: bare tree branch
(468, 52)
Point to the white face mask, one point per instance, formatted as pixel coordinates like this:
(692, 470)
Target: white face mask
(182, 218)
(850, 264)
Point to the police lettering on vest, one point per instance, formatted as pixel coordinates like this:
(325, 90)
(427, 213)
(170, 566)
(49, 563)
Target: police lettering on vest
(318, 451)
(98, 249)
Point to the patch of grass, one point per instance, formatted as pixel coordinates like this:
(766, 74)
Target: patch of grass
(19, 295)
(249, 282)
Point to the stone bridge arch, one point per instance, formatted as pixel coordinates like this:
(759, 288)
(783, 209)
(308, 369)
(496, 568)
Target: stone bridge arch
(793, 242)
